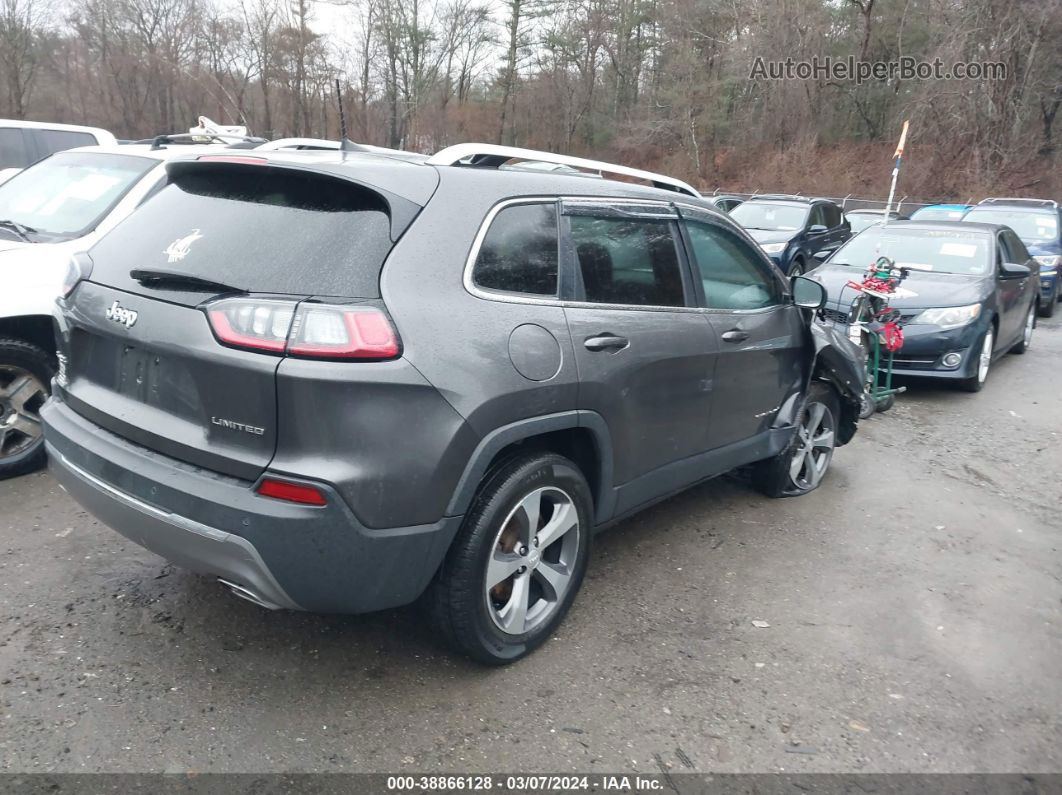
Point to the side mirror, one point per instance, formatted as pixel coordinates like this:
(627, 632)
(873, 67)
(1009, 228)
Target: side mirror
(1014, 270)
(817, 229)
(807, 293)
(822, 256)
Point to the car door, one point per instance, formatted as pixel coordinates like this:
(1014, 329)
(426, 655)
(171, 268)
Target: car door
(645, 354)
(763, 337)
(1009, 293)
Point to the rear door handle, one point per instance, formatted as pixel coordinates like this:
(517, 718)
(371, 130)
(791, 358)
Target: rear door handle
(605, 342)
(735, 335)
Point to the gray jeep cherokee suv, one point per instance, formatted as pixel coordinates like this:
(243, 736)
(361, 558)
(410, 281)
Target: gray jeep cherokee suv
(342, 381)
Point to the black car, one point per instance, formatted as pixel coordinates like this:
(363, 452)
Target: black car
(971, 295)
(859, 220)
(341, 381)
(792, 230)
(1038, 222)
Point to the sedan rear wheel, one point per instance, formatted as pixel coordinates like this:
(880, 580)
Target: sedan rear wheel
(1027, 331)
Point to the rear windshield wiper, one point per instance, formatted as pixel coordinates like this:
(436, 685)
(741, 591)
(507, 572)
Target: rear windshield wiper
(176, 279)
(21, 230)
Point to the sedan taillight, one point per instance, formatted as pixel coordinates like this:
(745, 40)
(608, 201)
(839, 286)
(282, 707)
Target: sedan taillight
(315, 331)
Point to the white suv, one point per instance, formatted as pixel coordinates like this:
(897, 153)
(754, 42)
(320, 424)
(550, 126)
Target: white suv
(25, 142)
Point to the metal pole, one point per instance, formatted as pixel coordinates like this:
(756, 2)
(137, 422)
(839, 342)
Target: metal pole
(895, 172)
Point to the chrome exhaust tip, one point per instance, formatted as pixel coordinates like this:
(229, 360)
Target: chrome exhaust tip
(244, 592)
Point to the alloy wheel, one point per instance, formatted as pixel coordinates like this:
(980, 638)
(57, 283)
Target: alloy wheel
(815, 442)
(21, 396)
(532, 561)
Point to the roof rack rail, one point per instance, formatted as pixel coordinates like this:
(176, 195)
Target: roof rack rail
(492, 156)
(186, 139)
(324, 144)
(786, 196)
(1031, 202)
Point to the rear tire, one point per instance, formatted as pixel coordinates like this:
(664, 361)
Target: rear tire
(25, 382)
(530, 526)
(1027, 330)
(803, 464)
(798, 268)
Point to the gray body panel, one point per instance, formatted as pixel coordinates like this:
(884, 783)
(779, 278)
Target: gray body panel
(400, 447)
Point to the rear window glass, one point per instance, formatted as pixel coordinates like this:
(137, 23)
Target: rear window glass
(257, 229)
(13, 151)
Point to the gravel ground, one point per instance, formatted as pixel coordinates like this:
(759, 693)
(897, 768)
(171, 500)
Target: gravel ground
(913, 604)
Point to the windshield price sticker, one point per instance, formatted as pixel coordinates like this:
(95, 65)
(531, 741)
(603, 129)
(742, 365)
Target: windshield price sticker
(958, 249)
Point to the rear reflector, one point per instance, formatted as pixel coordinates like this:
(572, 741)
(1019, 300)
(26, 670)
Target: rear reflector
(292, 492)
(315, 331)
(252, 161)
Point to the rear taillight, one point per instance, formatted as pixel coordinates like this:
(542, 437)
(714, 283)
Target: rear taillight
(316, 331)
(260, 325)
(78, 268)
(292, 492)
(361, 332)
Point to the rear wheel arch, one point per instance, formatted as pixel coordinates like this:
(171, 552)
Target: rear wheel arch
(579, 436)
(37, 330)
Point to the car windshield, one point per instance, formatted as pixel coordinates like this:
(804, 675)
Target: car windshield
(860, 221)
(1032, 227)
(780, 217)
(938, 214)
(66, 195)
(939, 251)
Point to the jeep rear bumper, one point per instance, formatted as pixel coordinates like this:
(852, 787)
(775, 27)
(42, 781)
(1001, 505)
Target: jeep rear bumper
(275, 553)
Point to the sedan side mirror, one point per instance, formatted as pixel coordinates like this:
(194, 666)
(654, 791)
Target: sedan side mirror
(807, 293)
(1014, 270)
(817, 229)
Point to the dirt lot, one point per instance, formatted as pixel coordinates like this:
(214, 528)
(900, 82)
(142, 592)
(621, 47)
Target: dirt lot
(914, 606)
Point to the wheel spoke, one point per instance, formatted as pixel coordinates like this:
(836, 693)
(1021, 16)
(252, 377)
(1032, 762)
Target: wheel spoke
(824, 439)
(795, 466)
(21, 390)
(502, 566)
(564, 518)
(530, 509)
(553, 577)
(815, 418)
(812, 473)
(514, 615)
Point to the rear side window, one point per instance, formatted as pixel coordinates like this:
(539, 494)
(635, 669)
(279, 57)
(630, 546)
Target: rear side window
(519, 252)
(628, 260)
(832, 214)
(255, 228)
(13, 151)
(49, 141)
(733, 275)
